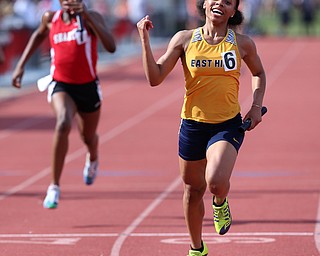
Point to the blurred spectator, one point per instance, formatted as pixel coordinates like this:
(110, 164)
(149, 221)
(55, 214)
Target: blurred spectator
(123, 25)
(307, 9)
(101, 6)
(55, 5)
(27, 10)
(18, 18)
(251, 9)
(6, 8)
(127, 14)
(284, 8)
(182, 14)
(137, 9)
(2, 58)
(104, 7)
(43, 5)
(164, 16)
(193, 16)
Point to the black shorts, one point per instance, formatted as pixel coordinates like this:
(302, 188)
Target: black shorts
(196, 137)
(87, 97)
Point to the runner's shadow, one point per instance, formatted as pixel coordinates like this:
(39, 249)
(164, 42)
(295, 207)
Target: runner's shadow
(118, 195)
(25, 123)
(93, 226)
(209, 222)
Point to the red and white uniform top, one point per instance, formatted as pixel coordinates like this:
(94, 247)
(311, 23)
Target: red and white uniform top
(73, 53)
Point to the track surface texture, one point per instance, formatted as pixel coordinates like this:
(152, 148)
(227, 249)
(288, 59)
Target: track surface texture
(135, 205)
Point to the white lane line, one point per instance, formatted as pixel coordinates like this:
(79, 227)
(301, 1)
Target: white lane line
(167, 238)
(46, 241)
(117, 130)
(128, 232)
(25, 183)
(58, 235)
(97, 235)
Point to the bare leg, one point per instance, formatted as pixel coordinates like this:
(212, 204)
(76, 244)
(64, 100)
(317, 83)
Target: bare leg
(65, 110)
(221, 160)
(87, 124)
(193, 175)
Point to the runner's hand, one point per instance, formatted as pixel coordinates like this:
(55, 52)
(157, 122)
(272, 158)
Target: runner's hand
(144, 25)
(17, 77)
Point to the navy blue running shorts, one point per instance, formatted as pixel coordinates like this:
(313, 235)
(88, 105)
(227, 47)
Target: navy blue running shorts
(87, 97)
(196, 137)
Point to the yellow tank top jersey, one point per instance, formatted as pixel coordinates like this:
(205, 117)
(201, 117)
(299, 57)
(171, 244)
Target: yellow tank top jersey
(212, 79)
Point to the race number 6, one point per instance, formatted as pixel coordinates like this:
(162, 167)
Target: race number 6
(229, 60)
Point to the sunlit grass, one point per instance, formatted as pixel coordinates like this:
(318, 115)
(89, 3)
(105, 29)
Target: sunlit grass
(268, 23)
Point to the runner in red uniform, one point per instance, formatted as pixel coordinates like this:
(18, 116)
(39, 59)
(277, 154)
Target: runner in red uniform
(74, 89)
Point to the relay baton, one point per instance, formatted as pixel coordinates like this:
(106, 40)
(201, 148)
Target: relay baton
(246, 124)
(80, 26)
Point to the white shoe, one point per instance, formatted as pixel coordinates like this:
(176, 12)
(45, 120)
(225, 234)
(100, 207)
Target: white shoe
(90, 170)
(52, 198)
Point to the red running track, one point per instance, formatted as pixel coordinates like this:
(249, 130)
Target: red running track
(135, 206)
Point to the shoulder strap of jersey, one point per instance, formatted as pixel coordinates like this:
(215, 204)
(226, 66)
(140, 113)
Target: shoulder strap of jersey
(231, 37)
(196, 36)
(56, 16)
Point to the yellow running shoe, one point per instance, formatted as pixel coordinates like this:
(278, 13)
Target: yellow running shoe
(222, 217)
(197, 253)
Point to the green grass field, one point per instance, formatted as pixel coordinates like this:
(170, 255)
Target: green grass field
(268, 23)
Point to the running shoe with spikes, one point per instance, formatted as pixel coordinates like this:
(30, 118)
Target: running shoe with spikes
(222, 217)
(52, 198)
(90, 170)
(198, 253)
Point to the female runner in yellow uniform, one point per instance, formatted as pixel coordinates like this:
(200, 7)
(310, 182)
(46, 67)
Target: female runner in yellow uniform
(209, 138)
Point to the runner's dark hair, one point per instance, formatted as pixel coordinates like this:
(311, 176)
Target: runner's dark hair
(236, 20)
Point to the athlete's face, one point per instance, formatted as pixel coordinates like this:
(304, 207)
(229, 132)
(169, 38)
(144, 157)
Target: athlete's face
(71, 6)
(70, 1)
(219, 10)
